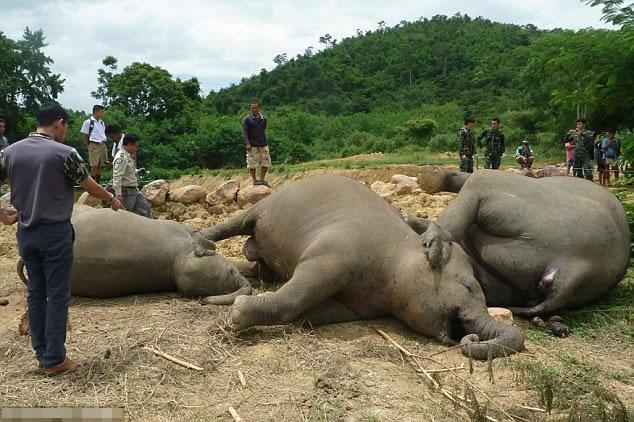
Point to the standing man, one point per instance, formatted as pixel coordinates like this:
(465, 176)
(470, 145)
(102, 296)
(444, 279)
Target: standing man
(583, 151)
(94, 133)
(493, 145)
(4, 142)
(253, 127)
(466, 140)
(43, 172)
(124, 178)
(114, 133)
(611, 147)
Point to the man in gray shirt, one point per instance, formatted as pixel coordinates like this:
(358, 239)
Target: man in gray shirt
(43, 172)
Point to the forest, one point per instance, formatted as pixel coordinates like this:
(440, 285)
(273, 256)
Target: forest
(393, 89)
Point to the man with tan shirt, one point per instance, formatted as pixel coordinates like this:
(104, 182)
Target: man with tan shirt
(124, 177)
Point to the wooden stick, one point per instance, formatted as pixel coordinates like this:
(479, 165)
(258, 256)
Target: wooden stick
(535, 409)
(173, 359)
(242, 380)
(455, 368)
(235, 415)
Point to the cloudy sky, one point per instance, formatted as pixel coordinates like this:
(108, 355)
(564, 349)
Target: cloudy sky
(222, 41)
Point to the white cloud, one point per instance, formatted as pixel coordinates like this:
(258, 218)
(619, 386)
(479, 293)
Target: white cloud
(222, 41)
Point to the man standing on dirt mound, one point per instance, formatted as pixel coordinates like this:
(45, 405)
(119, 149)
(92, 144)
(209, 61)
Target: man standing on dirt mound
(43, 172)
(253, 127)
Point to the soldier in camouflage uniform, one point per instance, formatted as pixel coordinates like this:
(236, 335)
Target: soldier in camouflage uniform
(583, 151)
(466, 140)
(493, 145)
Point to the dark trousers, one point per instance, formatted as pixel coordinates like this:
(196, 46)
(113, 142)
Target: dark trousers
(134, 201)
(47, 251)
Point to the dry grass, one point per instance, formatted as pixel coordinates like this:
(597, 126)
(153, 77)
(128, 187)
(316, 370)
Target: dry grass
(343, 372)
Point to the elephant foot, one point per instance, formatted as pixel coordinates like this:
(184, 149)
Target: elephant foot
(557, 327)
(554, 324)
(240, 313)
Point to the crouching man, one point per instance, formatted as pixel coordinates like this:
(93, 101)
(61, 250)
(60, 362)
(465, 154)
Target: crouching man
(124, 177)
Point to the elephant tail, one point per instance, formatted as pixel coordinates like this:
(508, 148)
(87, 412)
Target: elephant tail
(20, 270)
(227, 299)
(490, 339)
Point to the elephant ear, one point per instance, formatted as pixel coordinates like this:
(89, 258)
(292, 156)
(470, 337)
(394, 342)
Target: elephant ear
(432, 241)
(202, 245)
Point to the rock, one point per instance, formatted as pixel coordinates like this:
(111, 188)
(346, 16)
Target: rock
(4, 301)
(501, 314)
(384, 190)
(156, 192)
(252, 194)
(5, 201)
(403, 189)
(550, 171)
(187, 194)
(405, 180)
(538, 173)
(91, 201)
(225, 193)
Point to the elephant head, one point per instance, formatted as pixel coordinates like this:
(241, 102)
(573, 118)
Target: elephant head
(447, 302)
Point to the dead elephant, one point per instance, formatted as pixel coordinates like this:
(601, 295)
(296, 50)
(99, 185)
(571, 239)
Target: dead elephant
(121, 253)
(348, 255)
(537, 245)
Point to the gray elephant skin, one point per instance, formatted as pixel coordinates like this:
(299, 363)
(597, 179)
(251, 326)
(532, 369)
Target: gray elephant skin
(537, 245)
(346, 254)
(121, 253)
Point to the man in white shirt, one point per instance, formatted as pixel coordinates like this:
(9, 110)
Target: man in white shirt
(115, 134)
(94, 133)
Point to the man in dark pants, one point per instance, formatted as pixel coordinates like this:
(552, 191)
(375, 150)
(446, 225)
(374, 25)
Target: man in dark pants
(43, 172)
(466, 141)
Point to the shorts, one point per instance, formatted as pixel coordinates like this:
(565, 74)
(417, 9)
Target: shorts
(258, 156)
(97, 154)
(569, 163)
(608, 161)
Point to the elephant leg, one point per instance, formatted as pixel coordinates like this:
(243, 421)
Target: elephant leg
(459, 215)
(434, 179)
(314, 280)
(330, 311)
(561, 286)
(241, 225)
(419, 225)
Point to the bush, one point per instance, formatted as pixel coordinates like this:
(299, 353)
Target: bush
(443, 142)
(420, 128)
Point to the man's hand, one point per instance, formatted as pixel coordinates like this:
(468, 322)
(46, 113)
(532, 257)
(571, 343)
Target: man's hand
(464, 157)
(248, 147)
(115, 204)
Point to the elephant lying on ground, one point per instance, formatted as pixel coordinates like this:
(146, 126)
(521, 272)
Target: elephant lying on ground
(348, 255)
(537, 245)
(121, 253)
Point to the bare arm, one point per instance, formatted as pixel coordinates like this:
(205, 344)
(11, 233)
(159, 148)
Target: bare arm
(8, 216)
(85, 137)
(96, 190)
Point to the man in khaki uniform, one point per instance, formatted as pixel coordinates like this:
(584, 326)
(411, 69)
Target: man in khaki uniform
(124, 178)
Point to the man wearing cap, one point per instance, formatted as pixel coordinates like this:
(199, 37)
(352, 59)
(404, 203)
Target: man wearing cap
(94, 134)
(43, 172)
(466, 140)
(524, 155)
(584, 150)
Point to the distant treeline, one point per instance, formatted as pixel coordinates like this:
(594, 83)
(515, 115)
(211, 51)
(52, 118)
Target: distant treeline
(407, 86)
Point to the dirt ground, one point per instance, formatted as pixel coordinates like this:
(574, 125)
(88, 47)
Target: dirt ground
(343, 372)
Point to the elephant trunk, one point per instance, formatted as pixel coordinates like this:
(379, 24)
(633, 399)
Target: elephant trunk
(244, 288)
(490, 338)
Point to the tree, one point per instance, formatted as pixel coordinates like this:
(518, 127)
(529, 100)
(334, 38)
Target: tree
(148, 91)
(614, 13)
(280, 59)
(327, 40)
(104, 75)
